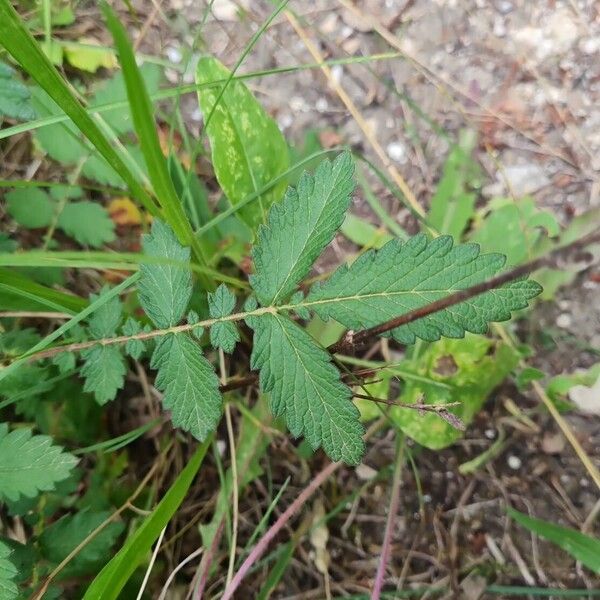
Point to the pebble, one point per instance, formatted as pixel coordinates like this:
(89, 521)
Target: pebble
(490, 434)
(322, 105)
(174, 54)
(514, 462)
(397, 152)
(564, 321)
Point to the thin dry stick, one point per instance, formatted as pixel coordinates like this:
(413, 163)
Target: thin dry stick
(25, 314)
(356, 114)
(391, 519)
(185, 561)
(151, 564)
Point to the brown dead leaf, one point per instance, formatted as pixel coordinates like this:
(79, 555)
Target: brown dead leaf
(124, 212)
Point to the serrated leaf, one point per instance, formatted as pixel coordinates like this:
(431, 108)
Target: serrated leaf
(401, 277)
(59, 539)
(8, 572)
(190, 385)
(65, 361)
(30, 207)
(299, 228)
(97, 169)
(192, 318)
(30, 464)
(248, 150)
(134, 348)
(104, 371)
(165, 289)
(88, 223)
(15, 98)
(221, 303)
(105, 320)
(305, 388)
(448, 372)
(223, 334)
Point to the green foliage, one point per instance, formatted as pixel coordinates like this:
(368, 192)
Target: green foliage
(451, 372)
(63, 536)
(8, 572)
(248, 150)
(305, 387)
(30, 464)
(223, 334)
(452, 205)
(134, 347)
(104, 371)
(402, 277)
(581, 547)
(15, 98)
(165, 289)
(299, 228)
(189, 383)
(31, 208)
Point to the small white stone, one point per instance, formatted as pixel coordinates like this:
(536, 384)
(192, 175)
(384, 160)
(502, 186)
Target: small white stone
(426, 498)
(514, 462)
(364, 472)
(285, 121)
(196, 115)
(583, 482)
(298, 104)
(322, 105)
(337, 71)
(174, 55)
(564, 321)
(221, 447)
(490, 434)
(397, 152)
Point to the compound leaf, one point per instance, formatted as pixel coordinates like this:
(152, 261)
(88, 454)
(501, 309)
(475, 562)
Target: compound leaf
(248, 150)
(305, 387)
(88, 223)
(402, 277)
(299, 228)
(189, 383)
(223, 334)
(15, 98)
(134, 348)
(30, 464)
(106, 319)
(30, 207)
(165, 289)
(8, 572)
(104, 371)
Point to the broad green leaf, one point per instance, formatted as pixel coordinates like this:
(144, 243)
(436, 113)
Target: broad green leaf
(104, 371)
(384, 284)
(363, 233)
(111, 580)
(30, 208)
(134, 348)
(584, 548)
(89, 56)
(452, 205)
(8, 572)
(458, 365)
(514, 228)
(97, 169)
(248, 150)
(305, 388)
(164, 290)
(15, 98)
(88, 223)
(65, 361)
(105, 321)
(113, 90)
(30, 464)
(60, 538)
(299, 228)
(223, 334)
(190, 385)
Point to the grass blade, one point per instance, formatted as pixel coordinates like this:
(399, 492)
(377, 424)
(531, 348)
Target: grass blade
(27, 52)
(143, 120)
(583, 548)
(110, 581)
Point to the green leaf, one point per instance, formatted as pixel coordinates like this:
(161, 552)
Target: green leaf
(19, 42)
(305, 388)
(190, 385)
(114, 90)
(105, 321)
(60, 538)
(104, 371)
(89, 57)
(113, 577)
(452, 205)
(362, 233)
(581, 547)
(88, 223)
(97, 169)
(248, 150)
(514, 228)
(15, 98)
(30, 464)
(8, 572)
(299, 228)
(457, 365)
(223, 334)
(164, 290)
(31, 208)
(401, 277)
(134, 348)
(65, 361)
